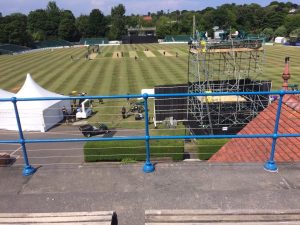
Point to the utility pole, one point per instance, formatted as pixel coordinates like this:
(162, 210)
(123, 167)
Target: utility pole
(194, 26)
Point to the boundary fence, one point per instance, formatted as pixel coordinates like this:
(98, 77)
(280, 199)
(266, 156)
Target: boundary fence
(148, 167)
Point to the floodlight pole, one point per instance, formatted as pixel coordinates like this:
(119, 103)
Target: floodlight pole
(28, 169)
(148, 166)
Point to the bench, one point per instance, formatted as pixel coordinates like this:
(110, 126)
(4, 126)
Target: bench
(65, 218)
(218, 217)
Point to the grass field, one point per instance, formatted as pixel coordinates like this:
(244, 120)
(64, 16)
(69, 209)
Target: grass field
(105, 75)
(109, 75)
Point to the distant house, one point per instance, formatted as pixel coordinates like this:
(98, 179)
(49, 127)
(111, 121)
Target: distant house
(280, 40)
(147, 18)
(292, 11)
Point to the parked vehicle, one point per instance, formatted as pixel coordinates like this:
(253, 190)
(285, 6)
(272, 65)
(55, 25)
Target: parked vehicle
(89, 130)
(85, 109)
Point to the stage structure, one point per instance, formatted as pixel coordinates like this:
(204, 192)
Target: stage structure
(230, 66)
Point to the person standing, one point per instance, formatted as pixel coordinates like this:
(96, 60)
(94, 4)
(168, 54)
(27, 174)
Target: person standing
(123, 111)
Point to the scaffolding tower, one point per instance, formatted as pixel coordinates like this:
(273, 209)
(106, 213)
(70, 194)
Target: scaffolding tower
(230, 66)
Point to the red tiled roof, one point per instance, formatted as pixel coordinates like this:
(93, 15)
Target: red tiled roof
(258, 149)
(147, 18)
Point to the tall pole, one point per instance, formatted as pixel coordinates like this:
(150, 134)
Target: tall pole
(194, 26)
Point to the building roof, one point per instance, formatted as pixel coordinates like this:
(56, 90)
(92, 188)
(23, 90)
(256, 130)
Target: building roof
(147, 18)
(258, 149)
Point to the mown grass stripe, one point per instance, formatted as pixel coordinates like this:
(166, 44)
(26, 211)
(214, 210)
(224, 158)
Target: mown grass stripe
(114, 83)
(131, 77)
(105, 76)
(50, 68)
(36, 69)
(148, 74)
(96, 81)
(69, 80)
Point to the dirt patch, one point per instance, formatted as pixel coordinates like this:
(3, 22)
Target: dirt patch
(117, 55)
(149, 54)
(132, 54)
(165, 53)
(93, 55)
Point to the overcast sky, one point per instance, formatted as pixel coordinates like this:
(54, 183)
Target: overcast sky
(132, 6)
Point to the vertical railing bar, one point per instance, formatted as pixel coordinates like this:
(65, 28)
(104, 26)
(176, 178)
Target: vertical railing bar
(270, 165)
(28, 169)
(148, 166)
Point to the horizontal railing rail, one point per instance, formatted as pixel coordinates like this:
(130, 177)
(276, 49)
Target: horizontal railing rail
(281, 92)
(270, 165)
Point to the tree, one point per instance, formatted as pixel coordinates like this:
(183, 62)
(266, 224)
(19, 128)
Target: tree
(268, 33)
(117, 22)
(295, 33)
(208, 17)
(97, 24)
(225, 16)
(292, 22)
(3, 33)
(38, 36)
(67, 28)
(163, 27)
(250, 18)
(275, 14)
(37, 22)
(53, 14)
(186, 23)
(132, 20)
(14, 30)
(280, 32)
(82, 25)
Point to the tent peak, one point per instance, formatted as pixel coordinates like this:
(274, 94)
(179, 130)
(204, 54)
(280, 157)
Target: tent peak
(32, 89)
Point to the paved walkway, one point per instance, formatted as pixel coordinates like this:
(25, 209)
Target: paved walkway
(128, 191)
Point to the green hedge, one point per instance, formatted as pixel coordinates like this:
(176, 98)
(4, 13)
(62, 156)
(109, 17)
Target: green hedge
(134, 150)
(208, 147)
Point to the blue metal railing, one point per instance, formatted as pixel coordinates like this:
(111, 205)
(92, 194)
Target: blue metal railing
(270, 165)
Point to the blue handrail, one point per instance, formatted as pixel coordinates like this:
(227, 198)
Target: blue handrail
(270, 165)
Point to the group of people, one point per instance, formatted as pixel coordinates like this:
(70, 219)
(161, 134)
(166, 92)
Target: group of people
(69, 116)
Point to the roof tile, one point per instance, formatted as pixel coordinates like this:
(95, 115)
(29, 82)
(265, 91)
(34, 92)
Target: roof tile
(258, 149)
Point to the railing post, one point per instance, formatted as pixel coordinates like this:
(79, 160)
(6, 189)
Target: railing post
(148, 166)
(270, 165)
(28, 169)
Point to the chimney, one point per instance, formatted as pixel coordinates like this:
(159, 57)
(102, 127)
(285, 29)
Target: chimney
(286, 74)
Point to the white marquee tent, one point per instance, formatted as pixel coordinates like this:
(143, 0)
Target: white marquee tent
(34, 115)
(6, 94)
(280, 40)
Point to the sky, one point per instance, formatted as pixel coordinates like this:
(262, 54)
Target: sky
(132, 6)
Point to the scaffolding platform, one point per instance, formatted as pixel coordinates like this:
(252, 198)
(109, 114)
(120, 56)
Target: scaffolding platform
(224, 99)
(226, 50)
(231, 66)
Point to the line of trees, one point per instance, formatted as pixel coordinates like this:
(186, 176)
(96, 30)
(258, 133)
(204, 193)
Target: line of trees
(276, 19)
